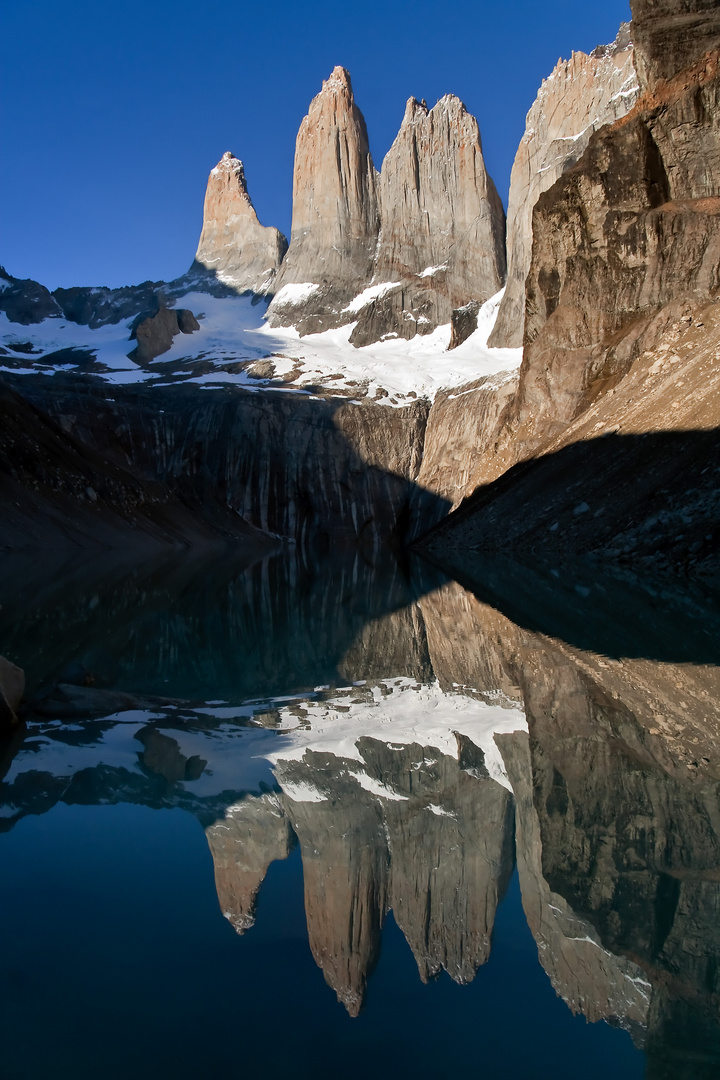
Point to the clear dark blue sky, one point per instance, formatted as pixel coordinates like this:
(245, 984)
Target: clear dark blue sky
(112, 116)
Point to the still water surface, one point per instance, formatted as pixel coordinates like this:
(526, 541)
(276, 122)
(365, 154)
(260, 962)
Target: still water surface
(353, 820)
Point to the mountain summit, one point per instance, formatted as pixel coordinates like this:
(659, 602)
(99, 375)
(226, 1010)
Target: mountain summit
(233, 244)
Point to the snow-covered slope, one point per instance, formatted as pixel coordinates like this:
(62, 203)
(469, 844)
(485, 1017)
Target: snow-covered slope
(234, 345)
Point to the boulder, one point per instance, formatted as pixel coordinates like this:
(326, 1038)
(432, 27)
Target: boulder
(155, 333)
(464, 322)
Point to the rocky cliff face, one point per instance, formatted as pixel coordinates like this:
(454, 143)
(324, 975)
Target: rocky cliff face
(335, 211)
(437, 851)
(253, 834)
(580, 95)
(233, 245)
(320, 472)
(614, 788)
(625, 269)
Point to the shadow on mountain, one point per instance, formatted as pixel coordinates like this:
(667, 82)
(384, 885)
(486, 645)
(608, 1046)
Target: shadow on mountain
(650, 500)
(84, 464)
(206, 627)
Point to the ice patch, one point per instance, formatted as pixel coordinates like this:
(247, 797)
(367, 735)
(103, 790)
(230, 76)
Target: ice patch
(233, 333)
(303, 793)
(375, 787)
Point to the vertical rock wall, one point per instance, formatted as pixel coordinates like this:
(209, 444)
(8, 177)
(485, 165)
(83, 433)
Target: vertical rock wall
(581, 95)
(335, 218)
(442, 232)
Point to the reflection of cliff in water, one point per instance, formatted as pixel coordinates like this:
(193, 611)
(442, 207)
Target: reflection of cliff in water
(608, 804)
(617, 832)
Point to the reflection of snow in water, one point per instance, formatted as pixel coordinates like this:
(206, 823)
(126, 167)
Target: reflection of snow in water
(398, 712)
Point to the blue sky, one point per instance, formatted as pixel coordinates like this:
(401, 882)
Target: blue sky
(112, 117)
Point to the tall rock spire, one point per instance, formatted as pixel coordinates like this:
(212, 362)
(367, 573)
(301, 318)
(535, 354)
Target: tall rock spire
(439, 206)
(335, 218)
(233, 244)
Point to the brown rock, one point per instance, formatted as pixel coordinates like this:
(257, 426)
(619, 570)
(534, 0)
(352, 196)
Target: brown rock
(625, 244)
(442, 220)
(155, 333)
(253, 834)
(464, 323)
(233, 244)
(672, 35)
(187, 322)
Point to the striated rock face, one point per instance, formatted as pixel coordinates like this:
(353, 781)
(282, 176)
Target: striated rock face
(440, 212)
(581, 95)
(432, 225)
(591, 980)
(321, 472)
(233, 244)
(442, 221)
(437, 851)
(672, 34)
(335, 218)
(462, 428)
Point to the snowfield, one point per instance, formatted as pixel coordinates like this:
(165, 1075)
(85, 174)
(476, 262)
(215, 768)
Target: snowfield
(234, 336)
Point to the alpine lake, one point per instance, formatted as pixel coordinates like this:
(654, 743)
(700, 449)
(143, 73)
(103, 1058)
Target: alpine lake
(351, 818)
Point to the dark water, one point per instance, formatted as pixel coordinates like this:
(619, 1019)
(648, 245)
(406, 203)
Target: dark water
(385, 826)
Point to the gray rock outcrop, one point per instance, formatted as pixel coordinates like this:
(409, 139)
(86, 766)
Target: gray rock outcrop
(580, 95)
(335, 219)
(26, 301)
(155, 333)
(233, 244)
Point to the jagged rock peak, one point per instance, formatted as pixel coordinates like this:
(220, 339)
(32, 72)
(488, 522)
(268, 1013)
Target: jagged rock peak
(338, 81)
(233, 244)
(579, 96)
(442, 235)
(622, 42)
(335, 219)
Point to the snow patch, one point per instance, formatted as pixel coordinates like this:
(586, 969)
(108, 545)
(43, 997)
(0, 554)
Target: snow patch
(295, 293)
(430, 271)
(374, 292)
